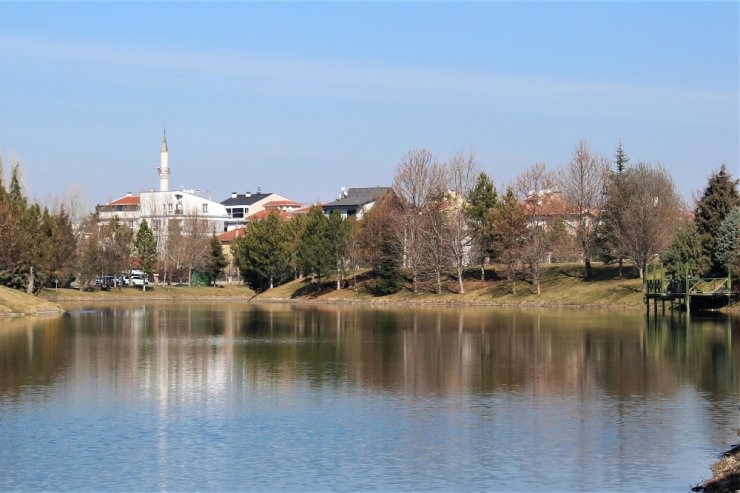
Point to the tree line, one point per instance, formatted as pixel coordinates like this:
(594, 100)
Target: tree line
(46, 247)
(440, 221)
(442, 218)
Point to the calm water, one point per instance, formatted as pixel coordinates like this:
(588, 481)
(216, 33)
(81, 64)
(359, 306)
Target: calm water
(273, 397)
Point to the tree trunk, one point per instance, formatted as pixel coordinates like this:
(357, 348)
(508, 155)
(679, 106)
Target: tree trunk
(31, 279)
(439, 283)
(460, 281)
(271, 284)
(339, 280)
(483, 269)
(190, 276)
(620, 267)
(588, 267)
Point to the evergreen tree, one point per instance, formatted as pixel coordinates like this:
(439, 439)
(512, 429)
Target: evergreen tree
(685, 253)
(482, 199)
(620, 159)
(314, 250)
(388, 276)
(263, 254)
(719, 198)
(216, 260)
(146, 249)
(509, 225)
(63, 252)
(727, 245)
(339, 237)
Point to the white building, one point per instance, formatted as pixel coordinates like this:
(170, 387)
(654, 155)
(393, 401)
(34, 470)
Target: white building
(161, 207)
(240, 207)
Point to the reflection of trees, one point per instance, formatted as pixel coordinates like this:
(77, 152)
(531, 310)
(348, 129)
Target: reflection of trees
(33, 352)
(192, 351)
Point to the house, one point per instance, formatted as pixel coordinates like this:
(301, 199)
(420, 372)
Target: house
(227, 239)
(239, 207)
(355, 201)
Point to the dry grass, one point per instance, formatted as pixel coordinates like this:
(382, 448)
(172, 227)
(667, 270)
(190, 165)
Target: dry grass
(725, 474)
(14, 302)
(561, 285)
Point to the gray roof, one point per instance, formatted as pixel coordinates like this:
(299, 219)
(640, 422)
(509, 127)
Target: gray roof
(242, 199)
(357, 197)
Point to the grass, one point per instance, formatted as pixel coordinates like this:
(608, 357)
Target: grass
(14, 302)
(560, 285)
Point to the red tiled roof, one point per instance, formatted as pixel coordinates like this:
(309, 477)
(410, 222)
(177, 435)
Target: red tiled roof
(549, 204)
(264, 214)
(229, 236)
(127, 200)
(281, 203)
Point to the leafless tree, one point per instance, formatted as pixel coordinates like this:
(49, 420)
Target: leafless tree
(532, 187)
(418, 181)
(196, 233)
(647, 208)
(582, 185)
(460, 175)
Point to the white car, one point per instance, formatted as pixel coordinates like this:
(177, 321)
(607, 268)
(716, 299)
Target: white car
(137, 280)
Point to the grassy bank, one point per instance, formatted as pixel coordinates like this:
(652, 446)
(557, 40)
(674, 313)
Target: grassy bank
(561, 285)
(725, 474)
(15, 303)
(233, 291)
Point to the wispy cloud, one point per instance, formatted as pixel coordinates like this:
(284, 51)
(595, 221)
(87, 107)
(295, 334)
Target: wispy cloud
(357, 80)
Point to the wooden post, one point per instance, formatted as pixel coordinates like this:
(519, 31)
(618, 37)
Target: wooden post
(688, 296)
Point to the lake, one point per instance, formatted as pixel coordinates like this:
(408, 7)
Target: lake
(225, 396)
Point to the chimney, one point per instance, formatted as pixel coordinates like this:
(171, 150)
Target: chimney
(233, 195)
(248, 194)
(128, 194)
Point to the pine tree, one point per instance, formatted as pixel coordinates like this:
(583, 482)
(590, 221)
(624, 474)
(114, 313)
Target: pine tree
(685, 253)
(719, 198)
(216, 260)
(621, 159)
(146, 248)
(482, 199)
(388, 276)
(314, 250)
(727, 245)
(263, 254)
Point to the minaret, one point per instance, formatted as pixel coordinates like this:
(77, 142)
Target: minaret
(164, 166)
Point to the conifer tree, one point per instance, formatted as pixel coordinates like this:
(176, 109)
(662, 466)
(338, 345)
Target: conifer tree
(727, 245)
(216, 260)
(482, 199)
(685, 253)
(314, 250)
(719, 198)
(146, 249)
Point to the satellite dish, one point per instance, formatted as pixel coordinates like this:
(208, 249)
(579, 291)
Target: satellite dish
(259, 189)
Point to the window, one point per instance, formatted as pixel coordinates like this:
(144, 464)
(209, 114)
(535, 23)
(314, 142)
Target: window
(205, 208)
(156, 224)
(237, 212)
(169, 208)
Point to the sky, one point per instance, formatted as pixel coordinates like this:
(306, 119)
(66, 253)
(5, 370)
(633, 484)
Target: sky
(305, 98)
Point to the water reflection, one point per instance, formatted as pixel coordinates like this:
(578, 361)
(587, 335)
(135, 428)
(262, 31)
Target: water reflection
(211, 348)
(366, 397)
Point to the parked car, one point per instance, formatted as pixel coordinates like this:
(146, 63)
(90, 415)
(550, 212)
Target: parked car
(137, 280)
(104, 283)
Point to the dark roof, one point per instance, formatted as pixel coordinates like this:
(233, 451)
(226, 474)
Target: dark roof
(357, 197)
(242, 199)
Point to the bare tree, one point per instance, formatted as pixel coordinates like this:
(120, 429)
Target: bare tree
(417, 182)
(647, 208)
(532, 187)
(582, 185)
(460, 175)
(196, 234)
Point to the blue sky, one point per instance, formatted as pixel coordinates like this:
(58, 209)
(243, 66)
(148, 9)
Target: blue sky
(303, 98)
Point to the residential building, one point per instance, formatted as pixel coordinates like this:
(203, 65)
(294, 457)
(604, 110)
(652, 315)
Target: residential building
(355, 201)
(239, 207)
